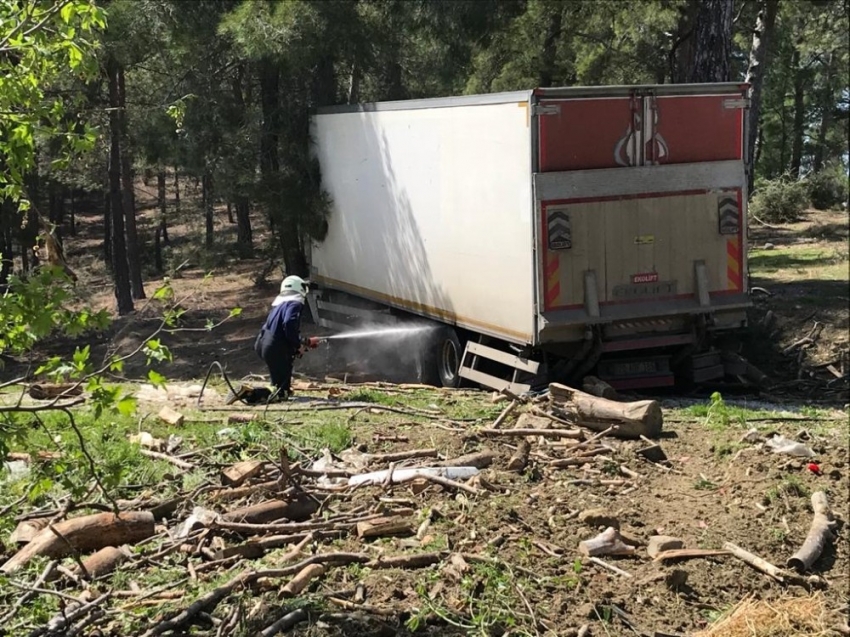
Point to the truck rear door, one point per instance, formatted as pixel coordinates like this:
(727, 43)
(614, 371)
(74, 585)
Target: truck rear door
(641, 202)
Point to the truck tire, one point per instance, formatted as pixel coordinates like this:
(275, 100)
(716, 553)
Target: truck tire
(448, 353)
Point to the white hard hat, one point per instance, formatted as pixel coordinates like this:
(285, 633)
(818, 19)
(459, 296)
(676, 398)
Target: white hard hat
(290, 286)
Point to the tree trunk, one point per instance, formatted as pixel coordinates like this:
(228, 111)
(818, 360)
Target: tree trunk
(799, 116)
(207, 190)
(324, 82)
(134, 261)
(680, 57)
(177, 188)
(550, 48)
(73, 213)
(759, 147)
(7, 249)
(28, 235)
(827, 105)
(759, 56)
(157, 249)
(163, 206)
(354, 84)
(244, 235)
(230, 212)
(107, 222)
(712, 42)
(269, 128)
(120, 268)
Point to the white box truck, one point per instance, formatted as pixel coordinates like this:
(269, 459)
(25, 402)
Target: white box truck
(552, 232)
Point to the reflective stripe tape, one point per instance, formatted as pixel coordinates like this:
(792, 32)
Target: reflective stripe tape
(733, 264)
(553, 280)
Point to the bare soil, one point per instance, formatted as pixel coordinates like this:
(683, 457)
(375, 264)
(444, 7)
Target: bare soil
(717, 488)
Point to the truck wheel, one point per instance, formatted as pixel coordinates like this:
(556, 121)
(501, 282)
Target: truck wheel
(448, 352)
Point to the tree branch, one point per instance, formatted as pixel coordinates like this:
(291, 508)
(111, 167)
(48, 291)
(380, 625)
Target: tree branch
(47, 17)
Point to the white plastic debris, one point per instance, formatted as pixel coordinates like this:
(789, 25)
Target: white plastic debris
(781, 444)
(403, 475)
(13, 471)
(200, 518)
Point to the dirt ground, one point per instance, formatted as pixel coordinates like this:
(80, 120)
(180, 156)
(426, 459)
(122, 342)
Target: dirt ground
(524, 528)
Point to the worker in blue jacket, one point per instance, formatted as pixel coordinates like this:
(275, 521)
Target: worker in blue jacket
(279, 340)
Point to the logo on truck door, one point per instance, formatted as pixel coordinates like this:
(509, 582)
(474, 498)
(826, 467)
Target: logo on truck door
(641, 144)
(558, 230)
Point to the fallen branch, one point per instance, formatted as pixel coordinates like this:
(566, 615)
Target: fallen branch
(396, 456)
(62, 621)
(756, 562)
(686, 554)
(290, 620)
(177, 462)
(610, 567)
(451, 484)
(505, 413)
(577, 434)
(46, 574)
(480, 460)
(208, 602)
(819, 534)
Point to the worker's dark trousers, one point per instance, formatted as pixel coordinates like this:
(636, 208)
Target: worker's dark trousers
(278, 358)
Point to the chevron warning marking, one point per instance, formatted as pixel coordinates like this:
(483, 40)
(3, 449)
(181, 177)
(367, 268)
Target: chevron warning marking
(728, 215)
(558, 230)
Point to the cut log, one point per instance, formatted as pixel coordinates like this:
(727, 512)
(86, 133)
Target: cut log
(172, 417)
(598, 387)
(83, 534)
(103, 562)
(383, 527)
(480, 460)
(609, 542)
(27, 530)
(236, 474)
(49, 391)
(294, 510)
(302, 580)
(819, 534)
(632, 420)
(519, 460)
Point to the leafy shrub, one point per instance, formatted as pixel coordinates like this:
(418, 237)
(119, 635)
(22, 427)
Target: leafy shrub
(779, 200)
(828, 188)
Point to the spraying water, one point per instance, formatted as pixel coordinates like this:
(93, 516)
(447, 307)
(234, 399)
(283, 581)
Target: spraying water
(400, 332)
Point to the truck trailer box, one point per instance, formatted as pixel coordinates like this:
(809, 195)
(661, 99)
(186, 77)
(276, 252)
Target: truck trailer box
(535, 218)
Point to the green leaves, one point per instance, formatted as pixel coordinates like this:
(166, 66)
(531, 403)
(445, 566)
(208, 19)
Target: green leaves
(156, 379)
(154, 350)
(40, 44)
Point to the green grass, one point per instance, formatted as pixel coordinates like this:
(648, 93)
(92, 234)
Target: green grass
(790, 486)
(813, 261)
